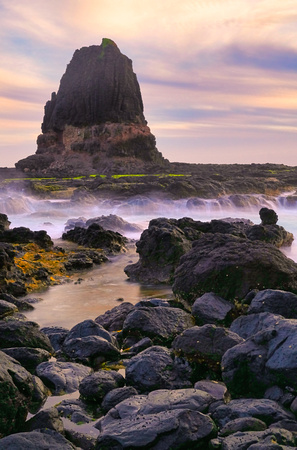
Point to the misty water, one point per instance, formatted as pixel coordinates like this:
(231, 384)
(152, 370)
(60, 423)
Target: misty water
(90, 293)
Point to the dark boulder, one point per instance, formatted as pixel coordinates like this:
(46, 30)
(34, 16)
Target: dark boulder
(62, 377)
(23, 235)
(112, 398)
(160, 323)
(268, 216)
(94, 387)
(266, 410)
(113, 319)
(88, 342)
(211, 308)
(247, 326)
(28, 357)
(15, 333)
(96, 237)
(204, 347)
(275, 302)
(56, 336)
(7, 308)
(160, 248)
(156, 368)
(4, 222)
(43, 439)
(230, 267)
(265, 359)
(272, 234)
(74, 410)
(270, 439)
(48, 418)
(162, 419)
(16, 394)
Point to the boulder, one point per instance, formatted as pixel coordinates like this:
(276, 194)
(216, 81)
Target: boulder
(15, 333)
(265, 359)
(113, 319)
(23, 235)
(48, 418)
(16, 394)
(162, 419)
(88, 342)
(94, 387)
(161, 324)
(112, 398)
(264, 409)
(43, 439)
(114, 223)
(268, 216)
(270, 439)
(275, 302)
(156, 368)
(231, 267)
(247, 326)
(97, 237)
(56, 336)
(216, 389)
(7, 309)
(62, 377)
(74, 410)
(160, 248)
(243, 424)
(204, 347)
(272, 234)
(211, 308)
(4, 222)
(28, 357)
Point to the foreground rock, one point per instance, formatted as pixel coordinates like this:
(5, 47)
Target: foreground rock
(16, 395)
(43, 439)
(265, 359)
(163, 419)
(231, 267)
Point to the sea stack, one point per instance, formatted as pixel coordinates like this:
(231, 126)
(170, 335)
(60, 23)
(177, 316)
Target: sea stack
(95, 121)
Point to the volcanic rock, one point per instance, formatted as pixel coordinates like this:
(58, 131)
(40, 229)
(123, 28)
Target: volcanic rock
(95, 121)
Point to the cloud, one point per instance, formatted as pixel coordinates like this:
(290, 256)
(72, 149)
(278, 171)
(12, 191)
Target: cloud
(206, 69)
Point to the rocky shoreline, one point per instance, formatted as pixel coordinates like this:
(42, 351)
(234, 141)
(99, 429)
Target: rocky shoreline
(213, 367)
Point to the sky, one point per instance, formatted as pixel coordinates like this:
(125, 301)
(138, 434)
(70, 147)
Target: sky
(217, 77)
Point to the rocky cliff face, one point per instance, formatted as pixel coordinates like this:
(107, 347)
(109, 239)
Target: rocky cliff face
(96, 120)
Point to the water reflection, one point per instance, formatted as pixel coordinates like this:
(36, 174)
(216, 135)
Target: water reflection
(99, 290)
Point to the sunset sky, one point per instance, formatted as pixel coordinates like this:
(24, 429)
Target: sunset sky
(218, 77)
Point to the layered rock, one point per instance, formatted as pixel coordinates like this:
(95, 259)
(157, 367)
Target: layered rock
(96, 120)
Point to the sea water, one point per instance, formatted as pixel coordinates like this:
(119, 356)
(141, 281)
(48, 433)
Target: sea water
(90, 293)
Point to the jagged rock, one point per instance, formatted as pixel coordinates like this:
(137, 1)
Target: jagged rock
(23, 235)
(231, 267)
(96, 120)
(268, 216)
(160, 248)
(96, 237)
(4, 222)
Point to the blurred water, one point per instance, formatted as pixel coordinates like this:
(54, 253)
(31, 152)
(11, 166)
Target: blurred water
(71, 303)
